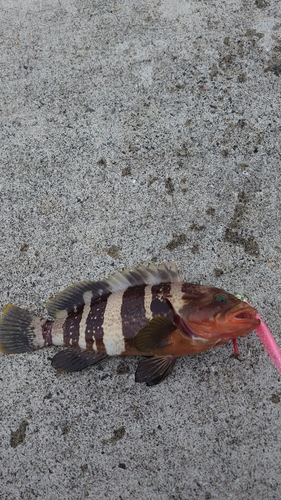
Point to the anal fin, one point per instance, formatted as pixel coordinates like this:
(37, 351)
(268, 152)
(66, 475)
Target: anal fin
(71, 360)
(155, 369)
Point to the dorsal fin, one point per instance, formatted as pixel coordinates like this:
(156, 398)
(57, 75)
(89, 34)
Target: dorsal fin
(142, 275)
(83, 292)
(75, 296)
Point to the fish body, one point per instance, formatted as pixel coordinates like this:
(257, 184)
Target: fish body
(147, 311)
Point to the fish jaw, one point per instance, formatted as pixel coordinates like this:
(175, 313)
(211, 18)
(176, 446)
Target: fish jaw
(240, 317)
(238, 323)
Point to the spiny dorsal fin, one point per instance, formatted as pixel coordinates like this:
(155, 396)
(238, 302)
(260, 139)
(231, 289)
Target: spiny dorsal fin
(83, 292)
(142, 275)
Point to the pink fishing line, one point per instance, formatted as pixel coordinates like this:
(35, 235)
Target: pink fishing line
(269, 343)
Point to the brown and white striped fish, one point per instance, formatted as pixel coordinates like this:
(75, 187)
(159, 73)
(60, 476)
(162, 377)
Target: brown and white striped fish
(147, 311)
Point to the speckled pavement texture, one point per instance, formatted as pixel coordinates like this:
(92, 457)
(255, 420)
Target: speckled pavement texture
(137, 131)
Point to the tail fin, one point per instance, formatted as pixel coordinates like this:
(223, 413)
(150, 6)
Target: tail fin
(20, 331)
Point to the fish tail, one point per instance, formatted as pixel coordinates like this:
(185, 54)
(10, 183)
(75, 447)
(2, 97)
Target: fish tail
(21, 331)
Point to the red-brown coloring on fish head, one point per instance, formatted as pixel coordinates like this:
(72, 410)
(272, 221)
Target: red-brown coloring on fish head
(212, 313)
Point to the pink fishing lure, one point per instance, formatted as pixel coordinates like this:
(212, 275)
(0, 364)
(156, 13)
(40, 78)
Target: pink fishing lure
(269, 343)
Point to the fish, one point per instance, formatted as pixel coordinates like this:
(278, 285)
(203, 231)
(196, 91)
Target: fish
(147, 311)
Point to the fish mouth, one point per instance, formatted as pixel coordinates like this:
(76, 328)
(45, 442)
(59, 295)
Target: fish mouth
(246, 315)
(240, 315)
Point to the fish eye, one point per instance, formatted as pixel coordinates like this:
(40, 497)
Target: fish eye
(220, 297)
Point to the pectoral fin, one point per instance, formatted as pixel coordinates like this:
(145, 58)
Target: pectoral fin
(155, 369)
(71, 360)
(156, 334)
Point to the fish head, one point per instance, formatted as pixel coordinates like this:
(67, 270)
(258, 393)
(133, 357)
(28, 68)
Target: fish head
(212, 313)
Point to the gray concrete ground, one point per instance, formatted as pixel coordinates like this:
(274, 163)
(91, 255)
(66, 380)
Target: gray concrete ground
(137, 131)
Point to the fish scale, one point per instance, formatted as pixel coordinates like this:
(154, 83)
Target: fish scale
(107, 324)
(148, 311)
